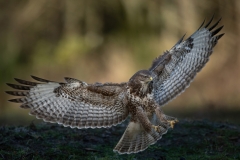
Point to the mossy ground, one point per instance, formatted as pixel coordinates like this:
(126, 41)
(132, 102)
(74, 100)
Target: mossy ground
(188, 140)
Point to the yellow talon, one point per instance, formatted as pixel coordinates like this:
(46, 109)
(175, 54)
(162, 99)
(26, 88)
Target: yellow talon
(172, 123)
(156, 128)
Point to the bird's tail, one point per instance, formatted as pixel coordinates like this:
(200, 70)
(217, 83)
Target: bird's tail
(136, 139)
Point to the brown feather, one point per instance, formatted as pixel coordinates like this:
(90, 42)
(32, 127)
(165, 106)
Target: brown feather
(20, 87)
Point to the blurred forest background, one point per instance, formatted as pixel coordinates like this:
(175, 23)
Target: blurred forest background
(108, 41)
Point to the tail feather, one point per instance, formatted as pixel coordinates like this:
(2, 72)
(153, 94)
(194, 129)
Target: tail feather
(136, 139)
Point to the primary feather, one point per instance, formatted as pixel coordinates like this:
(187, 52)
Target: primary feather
(185, 60)
(80, 105)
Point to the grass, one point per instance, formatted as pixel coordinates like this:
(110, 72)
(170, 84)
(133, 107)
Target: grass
(188, 140)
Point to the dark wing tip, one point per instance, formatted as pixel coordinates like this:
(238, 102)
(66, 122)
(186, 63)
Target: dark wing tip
(18, 80)
(215, 24)
(216, 30)
(219, 36)
(209, 22)
(26, 82)
(8, 92)
(180, 40)
(12, 100)
(201, 24)
(20, 87)
(17, 93)
(39, 79)
(19, 100)
(9, 84)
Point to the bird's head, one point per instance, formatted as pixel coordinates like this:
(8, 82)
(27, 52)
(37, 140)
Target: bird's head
(142, 76)
(141, 82)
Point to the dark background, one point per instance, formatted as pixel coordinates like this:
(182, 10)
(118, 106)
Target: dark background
(108, 41)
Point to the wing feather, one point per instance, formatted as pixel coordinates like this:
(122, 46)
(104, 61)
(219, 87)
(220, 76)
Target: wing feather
(75, 103)
(186, 59)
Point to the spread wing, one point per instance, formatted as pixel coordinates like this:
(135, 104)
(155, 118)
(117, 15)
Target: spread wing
(176, 68)
(74, 103)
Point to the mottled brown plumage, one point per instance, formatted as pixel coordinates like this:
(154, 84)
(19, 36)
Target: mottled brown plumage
(80, 105)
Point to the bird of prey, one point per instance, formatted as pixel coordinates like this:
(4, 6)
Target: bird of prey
(77, 104)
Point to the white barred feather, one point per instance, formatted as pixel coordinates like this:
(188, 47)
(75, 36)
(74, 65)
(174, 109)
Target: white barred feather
(187, 59)
(72, 105)
(77, 104)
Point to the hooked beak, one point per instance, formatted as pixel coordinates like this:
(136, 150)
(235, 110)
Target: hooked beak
(150, 79)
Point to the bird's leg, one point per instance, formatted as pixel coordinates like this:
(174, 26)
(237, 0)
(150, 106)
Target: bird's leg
(156, 128)
(164, 118)
(171, 120)
(147, 125)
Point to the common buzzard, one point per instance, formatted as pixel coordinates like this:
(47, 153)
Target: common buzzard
(77, 104)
